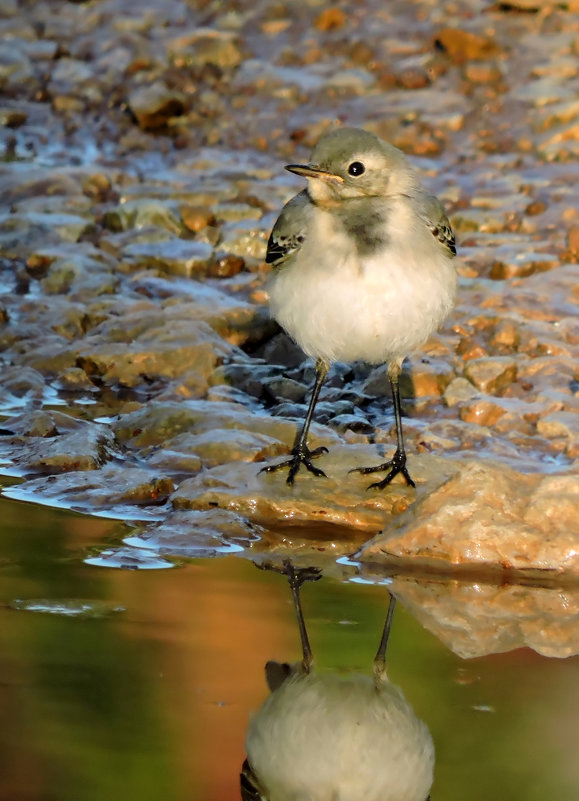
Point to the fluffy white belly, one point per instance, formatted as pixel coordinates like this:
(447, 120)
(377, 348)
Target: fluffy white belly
(339, 307)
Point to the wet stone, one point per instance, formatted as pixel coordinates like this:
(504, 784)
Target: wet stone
(506, 336)
(220, 446)
(154, 105)
(285, 388)
(248, 377)
(143, 212)
(21, 383)
(206, 46)
(244, 239)
(280, 349)
(334, 504)
(236, 212)
(192, 534)
(172, 256)
(459, 390)
(559, 424)
(482, 412)
(156, 423)
(122, 491)
(492, 375)
(427, 377)
(193, 347)
(352, 422)
(196, 218)
(12, 117)
(56, 443)
(462, 45)
(518, 521)
(482, 72)
(523, 264)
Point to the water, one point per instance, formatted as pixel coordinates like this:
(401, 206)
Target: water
(138, 684)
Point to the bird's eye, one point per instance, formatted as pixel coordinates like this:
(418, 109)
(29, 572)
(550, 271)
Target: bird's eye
(356, 168)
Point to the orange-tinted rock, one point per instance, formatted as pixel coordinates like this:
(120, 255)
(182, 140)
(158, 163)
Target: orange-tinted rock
(196, 218)
(462, 45)
(573, 239)
(330, 19)
(492, 374)
(482, 412)
(482, 72)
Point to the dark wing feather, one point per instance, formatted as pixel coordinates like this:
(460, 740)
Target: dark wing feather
(249, 786)
(443, 232)
(288, 233)
(433, 215)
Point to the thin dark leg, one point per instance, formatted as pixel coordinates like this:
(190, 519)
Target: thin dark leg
(398, 462)
(296, 579)
(300, 451)
(380, 658)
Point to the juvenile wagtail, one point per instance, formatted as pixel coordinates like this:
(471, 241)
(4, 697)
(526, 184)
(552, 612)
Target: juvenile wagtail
(363, 270)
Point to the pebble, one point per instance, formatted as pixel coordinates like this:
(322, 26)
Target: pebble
(461, 45)
(154, 105)
(459, 390)
(493, 374)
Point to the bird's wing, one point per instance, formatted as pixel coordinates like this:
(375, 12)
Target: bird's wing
(250, 789)
(435, 218)
(289, 230)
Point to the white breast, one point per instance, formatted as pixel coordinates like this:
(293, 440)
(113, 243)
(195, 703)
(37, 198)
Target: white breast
(340, 307)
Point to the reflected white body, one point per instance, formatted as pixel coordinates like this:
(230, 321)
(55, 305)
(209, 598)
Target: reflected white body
(342, 306)
(329, 737)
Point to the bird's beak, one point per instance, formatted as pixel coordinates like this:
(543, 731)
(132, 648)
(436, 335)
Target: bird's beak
(311, 171)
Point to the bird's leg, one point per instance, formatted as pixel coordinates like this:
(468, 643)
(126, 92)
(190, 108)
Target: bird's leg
(380, 658)
(301, 454)
(296, 578)
(397, 464)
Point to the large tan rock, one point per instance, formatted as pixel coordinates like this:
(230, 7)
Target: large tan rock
(488, 515)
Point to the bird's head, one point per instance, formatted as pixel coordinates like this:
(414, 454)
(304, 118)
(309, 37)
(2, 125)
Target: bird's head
(350, 163)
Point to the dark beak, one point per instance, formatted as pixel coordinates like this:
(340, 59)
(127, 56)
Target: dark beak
(310, 171)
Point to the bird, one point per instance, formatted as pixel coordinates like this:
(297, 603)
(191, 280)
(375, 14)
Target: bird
(362, 270)
(322, 735)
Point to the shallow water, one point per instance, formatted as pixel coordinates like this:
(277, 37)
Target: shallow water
(139, 684)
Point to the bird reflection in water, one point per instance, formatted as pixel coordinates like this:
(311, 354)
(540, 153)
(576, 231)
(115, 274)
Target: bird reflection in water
(322, 736)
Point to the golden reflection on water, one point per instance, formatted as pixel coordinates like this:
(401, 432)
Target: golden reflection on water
(153, 702)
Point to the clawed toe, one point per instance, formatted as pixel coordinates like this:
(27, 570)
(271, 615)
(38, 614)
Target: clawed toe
(395, 466)
(295, 575)
(300, 456)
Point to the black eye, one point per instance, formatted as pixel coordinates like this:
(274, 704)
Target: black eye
(356, 168)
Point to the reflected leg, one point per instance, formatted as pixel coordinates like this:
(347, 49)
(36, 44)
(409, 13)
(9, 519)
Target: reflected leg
(380, 658)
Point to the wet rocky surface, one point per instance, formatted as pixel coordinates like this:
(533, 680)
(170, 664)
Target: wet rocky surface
(141, 169)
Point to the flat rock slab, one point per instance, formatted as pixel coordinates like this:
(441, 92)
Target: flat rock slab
(339, 505)
(489, 516)
(116, 490)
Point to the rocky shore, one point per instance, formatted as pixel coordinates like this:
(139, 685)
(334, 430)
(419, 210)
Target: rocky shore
(141, 168)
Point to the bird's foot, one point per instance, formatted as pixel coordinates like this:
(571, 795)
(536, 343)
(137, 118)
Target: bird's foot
(397, 464)
(299, 456)
(296, 576)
